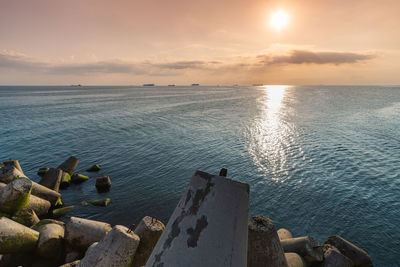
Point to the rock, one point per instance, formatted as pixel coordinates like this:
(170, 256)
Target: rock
(61, 211)
(208, 227)
(295, 260)
(52, 179)
(306, 246)
(42, 171)
(51, 240)
(94, 168)
(13, 163)
(79, 178)
(81, 233)
(9, 173)
(284, 234)
(333, 258)
(26, 217)
(15, 195)
(15, 237)
(69, 166)
(149, 231)
(264, 247)
(103, 183)
(39, 205)
(65, 180)
(46, 193)
(358, 256)
(71, 264)
(116, 249)
(100, 202)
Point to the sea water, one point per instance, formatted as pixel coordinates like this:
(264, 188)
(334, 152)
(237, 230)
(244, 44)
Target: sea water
(320, 160)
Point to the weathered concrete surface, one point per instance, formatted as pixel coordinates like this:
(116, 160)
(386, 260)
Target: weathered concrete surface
(264, 247)
(65, 180)
(333, 258)
(39, 205)
(81, 233)
(69, 166)
(306, 246)
(79, 178)
(208, 226)
(295, 260)
(358, 256)
(52, 179)
(9, 173)
(45, 193)
(26, 217)
(15, 237)
(14, 163)
(116, 249)
(149, 230)
(15, 195)
(284, 234)
(51, 241)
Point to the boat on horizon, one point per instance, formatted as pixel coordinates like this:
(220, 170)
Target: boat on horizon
(195, 84)
(148, 84)
(171, 84)
(258, 84)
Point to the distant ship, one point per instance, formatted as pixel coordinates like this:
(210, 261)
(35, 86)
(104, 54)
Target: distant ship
(257, 84)
(195, 84)
(171, 84)
(148, 84)
(76, 85)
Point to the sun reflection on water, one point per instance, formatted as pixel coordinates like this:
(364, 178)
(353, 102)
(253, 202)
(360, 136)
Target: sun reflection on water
(270, 133)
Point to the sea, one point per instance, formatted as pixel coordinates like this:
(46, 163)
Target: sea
(320, 160)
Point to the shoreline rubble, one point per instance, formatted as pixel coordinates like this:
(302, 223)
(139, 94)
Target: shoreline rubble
(209, 227)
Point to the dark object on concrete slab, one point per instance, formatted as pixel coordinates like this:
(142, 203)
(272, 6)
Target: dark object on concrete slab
(94, 168)
(264, 247)
(358, 256)
(52, 179)
(69, 165)
(103, 183)
(223, 172)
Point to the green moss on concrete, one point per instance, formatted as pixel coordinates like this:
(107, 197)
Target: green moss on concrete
(62, 211)
(12, 206)
(79, 178)
(19, 243)
(100, 202)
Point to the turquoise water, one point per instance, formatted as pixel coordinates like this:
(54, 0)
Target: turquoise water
(319, 160)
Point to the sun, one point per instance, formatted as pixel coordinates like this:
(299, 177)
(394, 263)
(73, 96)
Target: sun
(279, 20)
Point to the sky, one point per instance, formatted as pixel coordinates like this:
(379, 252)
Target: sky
(128, 42)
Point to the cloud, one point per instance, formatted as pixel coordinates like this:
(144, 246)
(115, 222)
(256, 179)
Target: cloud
(21, 62)
(310, 57)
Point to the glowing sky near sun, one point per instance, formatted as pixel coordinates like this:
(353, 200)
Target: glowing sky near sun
(207, 42)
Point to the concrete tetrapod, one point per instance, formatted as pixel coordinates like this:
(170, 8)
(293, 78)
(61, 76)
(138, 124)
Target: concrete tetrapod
(307, 247)
(149, 230)
(284, 234)
(208, 226)
(295, 260)
(15, 195)
(14, 163)
(69, 166)
(51, 240)
(39, 205)
(264, 248)
(9, 173)
(357, 255)
(116, 249)
(26, 217)
(15, 237)
(333, 258)
(81, 233)
(52, 179)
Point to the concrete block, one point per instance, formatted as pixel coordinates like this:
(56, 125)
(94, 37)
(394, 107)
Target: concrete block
(306, 246)
(284, 234)
(16, 238)
(208, 226)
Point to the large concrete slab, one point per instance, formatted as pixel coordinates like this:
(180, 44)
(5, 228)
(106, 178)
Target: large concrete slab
(208, 226)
